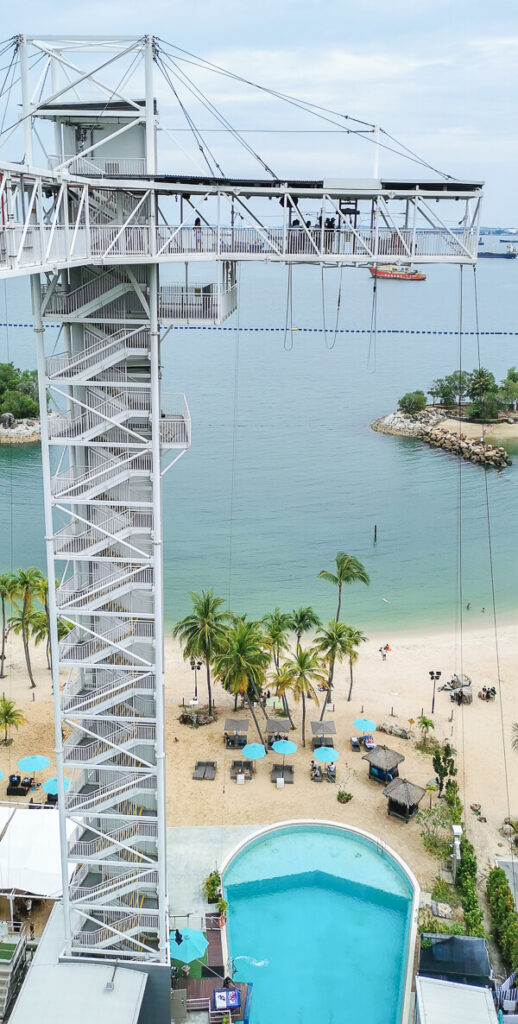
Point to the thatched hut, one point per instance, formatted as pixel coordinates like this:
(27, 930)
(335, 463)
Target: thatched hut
(383, 763)
(403, 798)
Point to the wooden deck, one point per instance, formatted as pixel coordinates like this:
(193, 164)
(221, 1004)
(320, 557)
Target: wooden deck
(215, 948)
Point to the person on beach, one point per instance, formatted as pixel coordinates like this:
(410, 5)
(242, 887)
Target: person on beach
(383, 654)
(468, 606)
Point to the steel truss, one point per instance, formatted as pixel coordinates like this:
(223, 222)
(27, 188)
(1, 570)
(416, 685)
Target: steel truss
(96, 222)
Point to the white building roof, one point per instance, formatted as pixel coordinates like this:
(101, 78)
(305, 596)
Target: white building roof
(446, 1002)
(80, 993)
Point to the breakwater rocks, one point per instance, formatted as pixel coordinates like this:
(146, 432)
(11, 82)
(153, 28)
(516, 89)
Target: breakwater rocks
(474, 451)
(426, 426)
(18, 431)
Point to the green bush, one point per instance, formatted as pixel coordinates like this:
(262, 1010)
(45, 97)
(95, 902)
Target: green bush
(504, 919)
(413, 401)
(18, 391)
(486, 407)
(21, 406)
(343, 797)
(212, 886)
(436, 926)
(466, 884)
(444, 892)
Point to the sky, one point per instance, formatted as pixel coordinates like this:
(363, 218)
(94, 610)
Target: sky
(441, 76)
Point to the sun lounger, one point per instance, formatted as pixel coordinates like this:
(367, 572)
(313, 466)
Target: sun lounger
(241, 768)
(355, 744)
(317, 775)
(368, 742)
(287, 773)
(205, 770)
(330, 774)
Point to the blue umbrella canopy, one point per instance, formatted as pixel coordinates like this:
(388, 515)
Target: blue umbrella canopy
(326, 754)
(284, 747)
(253, 751)
(192, 946)
(1, 774)
(33, 763)
(51, 785)
(364, 724)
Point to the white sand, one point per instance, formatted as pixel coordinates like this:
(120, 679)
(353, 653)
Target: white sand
(401, 683)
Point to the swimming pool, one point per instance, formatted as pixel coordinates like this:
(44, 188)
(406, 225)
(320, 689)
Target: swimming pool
(320, 922)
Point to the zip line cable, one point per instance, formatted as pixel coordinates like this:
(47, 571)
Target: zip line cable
(373, 332)
(305, 330)
(460, 590)
(233, 459)
(323, 305)
(338, 306)
(289, 312)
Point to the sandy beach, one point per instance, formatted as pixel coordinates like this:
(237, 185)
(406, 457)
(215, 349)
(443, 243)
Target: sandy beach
(399, 686)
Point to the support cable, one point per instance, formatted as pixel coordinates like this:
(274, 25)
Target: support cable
(460, 590)
(234, 452)
(196, 135)
(492, 579)
(373, 332)
(289, 312)
(338, 307)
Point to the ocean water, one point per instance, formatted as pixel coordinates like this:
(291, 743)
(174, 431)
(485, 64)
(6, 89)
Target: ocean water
(284, 469)
(309, 938)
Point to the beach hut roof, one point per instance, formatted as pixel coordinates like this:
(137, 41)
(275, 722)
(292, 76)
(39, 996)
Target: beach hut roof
(236, 725)
(383, 758)
(274, 725)
(404, 792)
(323, 728)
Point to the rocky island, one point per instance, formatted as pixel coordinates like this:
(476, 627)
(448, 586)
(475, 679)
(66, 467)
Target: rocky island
(433, 427)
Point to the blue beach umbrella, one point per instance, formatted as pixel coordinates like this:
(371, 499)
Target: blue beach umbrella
(33, 763)
(253, 751)
(192, 946)
(284, 747)
(364, 724)
(51, 786)
(326, 754)
(1, 774)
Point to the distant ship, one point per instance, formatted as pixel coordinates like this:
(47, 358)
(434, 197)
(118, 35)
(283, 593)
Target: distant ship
(510, 254)
(395, 273)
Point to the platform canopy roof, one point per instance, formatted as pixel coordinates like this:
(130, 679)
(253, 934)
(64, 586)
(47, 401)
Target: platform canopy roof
(29, 851)
(236, 724)
(274, 725)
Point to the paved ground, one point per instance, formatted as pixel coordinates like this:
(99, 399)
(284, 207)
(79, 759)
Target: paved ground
(192, 853)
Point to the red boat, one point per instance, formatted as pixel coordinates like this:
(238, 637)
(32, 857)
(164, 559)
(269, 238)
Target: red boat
(396, 273)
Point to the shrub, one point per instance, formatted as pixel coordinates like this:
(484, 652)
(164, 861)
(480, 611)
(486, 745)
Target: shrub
(486, 407)
(504, 919)
(435, 825)
(212, 886)
(436, 926)
(343, 797)
(21, 406)
(413, 401)
(444, 892)
(466, 883)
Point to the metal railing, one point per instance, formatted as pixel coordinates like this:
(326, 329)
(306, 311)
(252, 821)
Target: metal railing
(83, 893)
(90, 847)
(75, 538)
(132, 922)
(92, 165)
(82, 589)
(75, 483)
(76, 699)
(76, 647)
(109, 790)
(117, 737)
(97, 352)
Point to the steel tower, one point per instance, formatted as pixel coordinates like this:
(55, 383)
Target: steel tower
(91, 230)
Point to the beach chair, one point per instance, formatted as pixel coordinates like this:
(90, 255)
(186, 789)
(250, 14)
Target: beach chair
(317, 775)
(199, 771)
(210, 770)
(241, 768)
(355, 744)
(279, 772)
(330, 774)
(368, 742)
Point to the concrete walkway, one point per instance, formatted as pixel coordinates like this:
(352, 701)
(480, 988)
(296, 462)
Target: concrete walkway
(192, 853)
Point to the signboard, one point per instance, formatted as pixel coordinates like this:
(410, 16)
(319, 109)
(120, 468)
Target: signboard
(227, 998)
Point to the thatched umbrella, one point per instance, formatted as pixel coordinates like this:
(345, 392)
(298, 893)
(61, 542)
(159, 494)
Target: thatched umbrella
(383, 763)
(403, 798)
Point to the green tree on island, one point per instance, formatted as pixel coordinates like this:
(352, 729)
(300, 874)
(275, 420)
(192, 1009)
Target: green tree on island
(203, 631)
(240, 663)
(348, 570)
(452, 389)
(412, 402)
(18, 391)
(509, 388)
(10, 716)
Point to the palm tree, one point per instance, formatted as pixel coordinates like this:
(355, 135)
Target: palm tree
(42, 593)
(241, 661)
(28, 581)
(276, 627)
(514, 741)
(348, 570)
(10, 716)
(202, 632)
(425, 724)
(356, 637)
(332, 642)
(7, 591)
(302, 620)
(299, 674)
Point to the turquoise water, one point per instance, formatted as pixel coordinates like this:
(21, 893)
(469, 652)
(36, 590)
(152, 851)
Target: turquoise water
(319, 922)
(285, 471)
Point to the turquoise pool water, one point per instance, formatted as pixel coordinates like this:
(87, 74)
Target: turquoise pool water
(319, 922)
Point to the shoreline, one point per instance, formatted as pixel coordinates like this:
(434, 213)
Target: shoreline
(399, 424)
